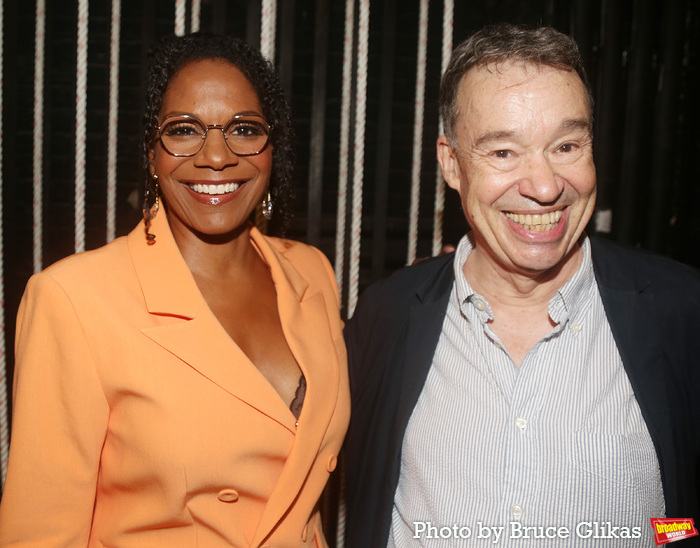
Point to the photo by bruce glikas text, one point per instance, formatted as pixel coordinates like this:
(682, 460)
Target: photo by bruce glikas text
(585, 530)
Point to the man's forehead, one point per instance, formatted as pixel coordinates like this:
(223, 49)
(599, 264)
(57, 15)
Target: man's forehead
(485, 83)
(513, 72)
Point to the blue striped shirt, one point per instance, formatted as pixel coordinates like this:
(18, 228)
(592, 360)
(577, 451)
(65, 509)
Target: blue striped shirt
(552, 453)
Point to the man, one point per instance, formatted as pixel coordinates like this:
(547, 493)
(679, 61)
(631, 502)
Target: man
(537, 386)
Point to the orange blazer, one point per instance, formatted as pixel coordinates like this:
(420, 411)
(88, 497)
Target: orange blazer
(138, 422)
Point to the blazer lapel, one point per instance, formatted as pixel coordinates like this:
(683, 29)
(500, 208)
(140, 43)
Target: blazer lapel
(424, 328)
(628, 302)
(220, 360)
(304, 318)
(186, 327)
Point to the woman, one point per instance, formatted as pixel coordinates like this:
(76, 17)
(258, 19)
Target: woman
(184, 385)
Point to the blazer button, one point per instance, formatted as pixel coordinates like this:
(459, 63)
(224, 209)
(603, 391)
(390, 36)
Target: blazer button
(228, 495)
(332, 462)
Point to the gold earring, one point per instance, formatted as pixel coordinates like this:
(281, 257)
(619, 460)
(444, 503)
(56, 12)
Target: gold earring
(150, 211)
(267, 207)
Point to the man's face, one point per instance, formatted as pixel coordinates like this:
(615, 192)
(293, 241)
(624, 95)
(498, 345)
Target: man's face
(522, 164)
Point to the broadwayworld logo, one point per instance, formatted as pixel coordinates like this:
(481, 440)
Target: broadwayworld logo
(672, 529)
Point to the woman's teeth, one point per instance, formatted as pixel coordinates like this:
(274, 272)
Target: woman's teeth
(536, 222)
(214, 189)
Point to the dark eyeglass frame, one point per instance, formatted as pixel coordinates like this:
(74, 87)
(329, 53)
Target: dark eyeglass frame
(206, 127)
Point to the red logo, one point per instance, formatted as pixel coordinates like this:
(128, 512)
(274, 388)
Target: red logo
(672, 529)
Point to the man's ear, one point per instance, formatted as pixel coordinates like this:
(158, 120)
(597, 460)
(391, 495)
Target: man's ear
(447, 158)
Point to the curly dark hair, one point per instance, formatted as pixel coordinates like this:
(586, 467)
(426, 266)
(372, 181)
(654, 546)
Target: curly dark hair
(501, 43)
(172, 53)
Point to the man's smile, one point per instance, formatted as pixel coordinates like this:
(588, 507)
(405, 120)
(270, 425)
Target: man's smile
(536, 222)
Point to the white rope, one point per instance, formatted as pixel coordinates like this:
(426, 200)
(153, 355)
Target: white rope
(38, 145)
(359, 154)
(447, 24)
(268, 26)
(341, 226)
(4, 423)
(418, 131)
(80, 118)
(196, 15)
(113, 118)
(343, 161)
(180, 11)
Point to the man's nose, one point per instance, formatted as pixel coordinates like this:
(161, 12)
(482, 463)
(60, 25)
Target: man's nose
(540, 180)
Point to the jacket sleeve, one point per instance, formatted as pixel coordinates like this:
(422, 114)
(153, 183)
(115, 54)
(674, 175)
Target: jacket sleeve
(59, 422)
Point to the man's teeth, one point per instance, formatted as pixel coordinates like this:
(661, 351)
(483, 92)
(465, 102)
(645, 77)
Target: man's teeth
(214, 189)
(536, 222)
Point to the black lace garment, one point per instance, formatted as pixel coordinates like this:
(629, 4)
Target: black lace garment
(298, 401)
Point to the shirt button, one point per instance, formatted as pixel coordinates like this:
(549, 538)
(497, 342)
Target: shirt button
(521, 423)
(332, 462)
(575, 327)
(228, 495)
(516, 510)
(479, 305)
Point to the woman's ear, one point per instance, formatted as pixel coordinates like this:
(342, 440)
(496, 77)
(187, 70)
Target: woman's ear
(151, 162)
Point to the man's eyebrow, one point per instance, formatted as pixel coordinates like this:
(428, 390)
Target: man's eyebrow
(501, 135)
(490, 136)
(577, 123)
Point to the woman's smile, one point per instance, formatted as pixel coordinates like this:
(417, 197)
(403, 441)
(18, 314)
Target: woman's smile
(214, 188)
(215, 194)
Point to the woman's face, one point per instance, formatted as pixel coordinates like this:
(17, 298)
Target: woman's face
(213, 192)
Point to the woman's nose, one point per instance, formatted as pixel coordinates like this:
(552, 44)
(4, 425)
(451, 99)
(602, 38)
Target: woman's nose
(215, 152)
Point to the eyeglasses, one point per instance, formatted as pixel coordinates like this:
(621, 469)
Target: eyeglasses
(184, 135)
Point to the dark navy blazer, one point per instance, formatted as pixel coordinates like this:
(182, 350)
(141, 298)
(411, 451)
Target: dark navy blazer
(653, 307)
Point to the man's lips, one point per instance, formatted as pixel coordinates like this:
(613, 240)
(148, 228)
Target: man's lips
(536, 222)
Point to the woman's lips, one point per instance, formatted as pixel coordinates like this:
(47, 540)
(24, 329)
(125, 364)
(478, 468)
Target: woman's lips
(215, 193)
(213, 189)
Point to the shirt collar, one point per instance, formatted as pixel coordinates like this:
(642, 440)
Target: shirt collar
(574, 294)
(469, 302)
(567, 302)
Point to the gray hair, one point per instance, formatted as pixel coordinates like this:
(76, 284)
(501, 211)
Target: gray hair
(501, 43)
